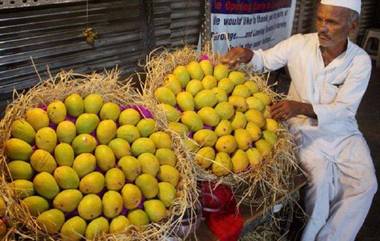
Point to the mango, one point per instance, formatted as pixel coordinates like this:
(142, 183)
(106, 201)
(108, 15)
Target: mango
(35, 205)
(205, 98)
(67, 200)
(270, 137)
(143, 145)
(171, 81)
(182, 75)
(266, 112)
(66, 177)
(190, 144)
(239, 121)
(106, 131)
(178, 128)
(46, 139)
(56, 111)
(209, 82)
(205, 137)
(256, 117)
(148, 185)
(64, 154)
(128, 132)
(129, 117)
(73, 229)
(222, 165)
(171, 113)
(209, 116)
(206, 66)
(225, 110)
(146, 127)
(42, 161)
(109, 111)
(161, 139)
(165, 95)
(120, 147)
(252, 86)
(263, 147)
(223, 128)
(195, 70)
(264, 97)
(155, 209)
(226, 144)
(21, 129)
(238, 102)
(93, 103)
(22, 188)
(66, 131)
(254, 130)
(105, 157)
(227, 85)
(185, 101)
(96, 228)
(131, 167)
(138, 217)
(243, 139)
(221, 71)
(119, 224)
(74, 105)
(92, 183)
(37, 118)
(84, 164)
(255, 103)
(192, 120)
(90, 207)
(112, 204)
(241, 90)
(86, 123)
(166, 157)
(166, 193)
(20, 170)
(149, 163)
(239, 161)
(45, 185)
(169, 174)
(84, 143)
(132, 196)
(220, 94)
(194, 86)
(114, 179)
(271, 124)
(237, 77)
(254, 157)
(205, 156)
(52, 220)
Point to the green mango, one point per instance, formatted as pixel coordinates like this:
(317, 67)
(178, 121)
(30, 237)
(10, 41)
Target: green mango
(92, 183)
(20, 170)
(112, 204)
(131, 167)
(166, 193)
(171, 113)
(185, 101)
(74, 105)
(194, 86)
(96, 228)
(46, 139)
(66, 131)
(120, 147)
(178, 128)
(106, 131)
(192, 120)
(205, 137)
(64, 154)
(209, 116)
(66, 177)
(143, 145)
(239, 121)
(129, 117)
(149, 163)
(86, 123)
(56, 111)
(105, 157)
(109, 111)
(205, 98)
(227, 85)
(67, 200)
(73, 229)
(84, 164)
(146, 127)
(166, 156)
(35, 205)
(52, 220)
(169, 174)
(165, 95)
(128, 132)
(84, 143)
(148, 185)
(220, 94)
(90, 207)
(264, 147)
(182, 75)
(22, 188)
(225, 110)
(45, 185)
(42, 161)
(155, 209)
(21, 129)
(93, 103)
(138, 217)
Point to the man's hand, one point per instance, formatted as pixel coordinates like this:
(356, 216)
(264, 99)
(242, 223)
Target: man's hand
(286, 109)
(237, 56)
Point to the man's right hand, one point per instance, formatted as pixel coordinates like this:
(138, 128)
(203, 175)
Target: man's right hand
(237, 56)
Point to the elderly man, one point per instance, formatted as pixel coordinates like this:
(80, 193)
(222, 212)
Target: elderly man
(329, 77)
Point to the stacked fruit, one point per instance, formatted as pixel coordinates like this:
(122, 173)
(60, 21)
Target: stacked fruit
(3, 226)
(223, 111)
(84, 167)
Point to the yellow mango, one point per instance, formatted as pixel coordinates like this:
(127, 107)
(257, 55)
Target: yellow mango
(74, 105)
(37, 117)
(46, 139)
(52, 220)
(109, 111)
(21, 129)
(56, 111)
(93, 103)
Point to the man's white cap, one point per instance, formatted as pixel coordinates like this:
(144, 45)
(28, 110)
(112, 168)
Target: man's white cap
(351, 4)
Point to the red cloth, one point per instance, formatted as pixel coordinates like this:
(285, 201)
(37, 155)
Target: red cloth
(225, 221)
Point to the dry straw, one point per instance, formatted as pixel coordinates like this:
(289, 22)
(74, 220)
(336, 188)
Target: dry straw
(22, 225)
(259, 186)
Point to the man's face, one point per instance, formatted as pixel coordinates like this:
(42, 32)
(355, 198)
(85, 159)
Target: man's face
(333, 25)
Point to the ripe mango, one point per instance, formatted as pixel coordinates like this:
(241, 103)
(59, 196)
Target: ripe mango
(112, 204)
(241, 90)
(195, 70)
(209, 116)
(243, 139)
(120, 147)
(148, 185)
(93, 103)
(227, 85)
(66, 131)
(114, 179)
(271, 124)
(105, 158)
(166, 193)
(46, 139)
(182, 75)
(254, 156)
(86, 123)
(128, 132)
(173, 83)
(129, 117)
(96, 228)
(255, 103)
(131, 167)
(225, 110)
(64, 154)
(206, 66)
(254, 130)
(84, 143)
(155, 209)
(178, 128)
(138, 217)
(56, 111)
(205, 98)
(223, 128)
(226, 144)
(192, 120)
(73, 229)
(106, 131)
(185, 101)
(169, 174)
(194, 86)
(238, 102)
(221, 71)
(190, 144)
(66, 177)
(270, 137)
(264, 97)
(256, 117)
(67, 200)
(90, 207)
(239, 161)
(222, 165)
(205, 156)
(45, 185)
(109, 111)
(146, 127)
(171, 113)
(205, 137)
(22, 188)
(239, 121)
(35, 205)
(263, 147)
(21, 129)
(20, 170)
(161, 139)
(74, 105)
(209, 82)
(220, 94)
(149, 163)
(84, 164)
(92, 183)
(166, 157)
(52, 220)
(132, 196)
(165, 95)
(266, 112)
(143, 145)
(37, 118)
(42, 161)
(252, 86)
(119, 224)
(237, 77)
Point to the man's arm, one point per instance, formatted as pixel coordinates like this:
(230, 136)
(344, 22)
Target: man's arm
(286, 109)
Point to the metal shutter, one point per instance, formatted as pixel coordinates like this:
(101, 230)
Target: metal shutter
(304, 16)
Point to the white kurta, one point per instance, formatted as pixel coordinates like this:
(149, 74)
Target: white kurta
(342, 180)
